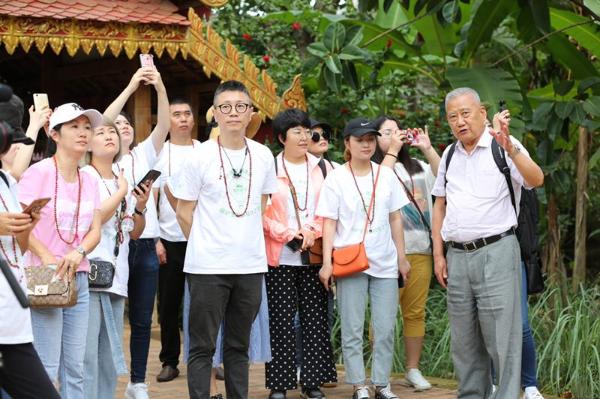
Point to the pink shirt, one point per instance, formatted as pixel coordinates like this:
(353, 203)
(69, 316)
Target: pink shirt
(39, 182)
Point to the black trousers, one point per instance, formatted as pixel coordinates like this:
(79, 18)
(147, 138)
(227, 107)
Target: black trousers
(22, 374)
(291, 289)
(234, 298)
(171, 280)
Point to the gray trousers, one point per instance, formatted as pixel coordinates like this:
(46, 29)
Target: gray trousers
(485, 318)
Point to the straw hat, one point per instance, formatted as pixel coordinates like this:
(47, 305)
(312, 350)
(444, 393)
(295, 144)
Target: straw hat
(251, 130)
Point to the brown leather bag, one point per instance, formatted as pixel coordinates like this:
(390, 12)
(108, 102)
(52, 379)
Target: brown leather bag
(352, 259)
(316, 252)
(44, 292)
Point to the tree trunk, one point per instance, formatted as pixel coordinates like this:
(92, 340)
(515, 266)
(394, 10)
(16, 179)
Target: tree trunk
(579, 270)
(553, 257)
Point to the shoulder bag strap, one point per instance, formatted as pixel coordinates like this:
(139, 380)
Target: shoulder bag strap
(500, 158)
(412, 199)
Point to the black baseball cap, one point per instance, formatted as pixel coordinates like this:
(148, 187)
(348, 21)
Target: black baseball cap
(358, 127)
(11, 112)
(324, 125)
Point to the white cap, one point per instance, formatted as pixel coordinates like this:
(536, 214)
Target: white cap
(70, 111)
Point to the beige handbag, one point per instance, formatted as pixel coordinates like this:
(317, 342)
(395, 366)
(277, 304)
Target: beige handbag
(46, 291)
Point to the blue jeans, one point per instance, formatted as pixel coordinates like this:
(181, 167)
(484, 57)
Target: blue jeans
(352, 295)
(528, 362)
(104, 358)
(59, 338)
(143, 280)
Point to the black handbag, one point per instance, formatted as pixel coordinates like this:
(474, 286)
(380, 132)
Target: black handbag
(101, 274)
(535, 278)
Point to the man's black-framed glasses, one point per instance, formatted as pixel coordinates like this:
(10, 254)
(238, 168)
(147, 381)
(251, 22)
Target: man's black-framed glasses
(239, 108)
(316, 136)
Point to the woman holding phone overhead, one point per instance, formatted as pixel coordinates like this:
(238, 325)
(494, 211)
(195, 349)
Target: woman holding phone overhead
(136, 161)
(360, 202)
(68, 229)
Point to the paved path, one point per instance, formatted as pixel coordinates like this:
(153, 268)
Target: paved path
(178, 387)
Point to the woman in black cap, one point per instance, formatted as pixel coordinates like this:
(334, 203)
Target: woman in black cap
(360, 203)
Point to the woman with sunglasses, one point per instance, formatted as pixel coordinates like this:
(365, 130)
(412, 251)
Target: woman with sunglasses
(291, 229)
(416, 178)
(320, 134)
(68, 229)
(360, 202)
(136, 161)
(104, 358)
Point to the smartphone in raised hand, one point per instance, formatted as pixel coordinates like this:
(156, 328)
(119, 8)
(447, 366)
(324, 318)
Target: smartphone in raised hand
(147, 60)
(40, 101)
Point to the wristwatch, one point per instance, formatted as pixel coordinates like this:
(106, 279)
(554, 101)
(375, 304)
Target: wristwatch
(141, 213)
(81, 250)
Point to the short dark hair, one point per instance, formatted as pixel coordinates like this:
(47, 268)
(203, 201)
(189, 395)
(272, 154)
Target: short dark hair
(288, 119)
(411, 165)
(179, 100)
(230, 85)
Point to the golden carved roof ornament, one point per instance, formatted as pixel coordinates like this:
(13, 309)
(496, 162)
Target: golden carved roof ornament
(214, 3)
(294, 96)
(218, 56)
(73, 35)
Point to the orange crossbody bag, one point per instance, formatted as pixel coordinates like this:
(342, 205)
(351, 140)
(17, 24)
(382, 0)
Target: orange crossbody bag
(352, 259)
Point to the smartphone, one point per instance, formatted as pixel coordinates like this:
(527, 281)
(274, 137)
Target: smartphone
(147, 60)
(36, 205)
(40, 101)
(295, 244)
(501, 105)
(151, 175)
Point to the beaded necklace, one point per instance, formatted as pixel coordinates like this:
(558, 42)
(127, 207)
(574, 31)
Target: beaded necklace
(119, 215)
(76, 218)
(225, 178)
(372, 216)
(292, 187)
(12, 264)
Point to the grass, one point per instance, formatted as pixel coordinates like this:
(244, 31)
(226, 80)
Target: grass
(566, 330)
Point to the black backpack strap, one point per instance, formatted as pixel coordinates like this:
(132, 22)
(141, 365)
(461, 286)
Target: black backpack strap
(3, 176)
(448, 159)
(323, 167)
(500, 158)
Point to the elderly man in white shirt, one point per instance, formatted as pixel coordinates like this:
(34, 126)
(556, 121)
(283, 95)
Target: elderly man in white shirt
(474, 215)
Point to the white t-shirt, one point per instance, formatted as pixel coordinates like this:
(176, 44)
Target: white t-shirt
(170, 163)
(298, 176)
(339, 200)
(15, 322)
(108, 234)
(416, 234)
(135, 166)
(220, 242)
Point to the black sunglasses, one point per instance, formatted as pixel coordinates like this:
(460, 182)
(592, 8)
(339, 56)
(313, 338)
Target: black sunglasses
(316, 136)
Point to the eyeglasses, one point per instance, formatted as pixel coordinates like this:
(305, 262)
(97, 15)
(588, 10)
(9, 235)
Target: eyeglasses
(239, 108)
(316, 136)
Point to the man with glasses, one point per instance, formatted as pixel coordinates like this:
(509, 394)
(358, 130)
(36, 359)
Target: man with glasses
(222, 192)
(474, 216)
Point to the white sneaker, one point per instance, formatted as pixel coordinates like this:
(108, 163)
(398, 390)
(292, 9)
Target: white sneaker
(416, 380)
(532, 393)
(361, 393)
(138, 390)
(385, 393)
